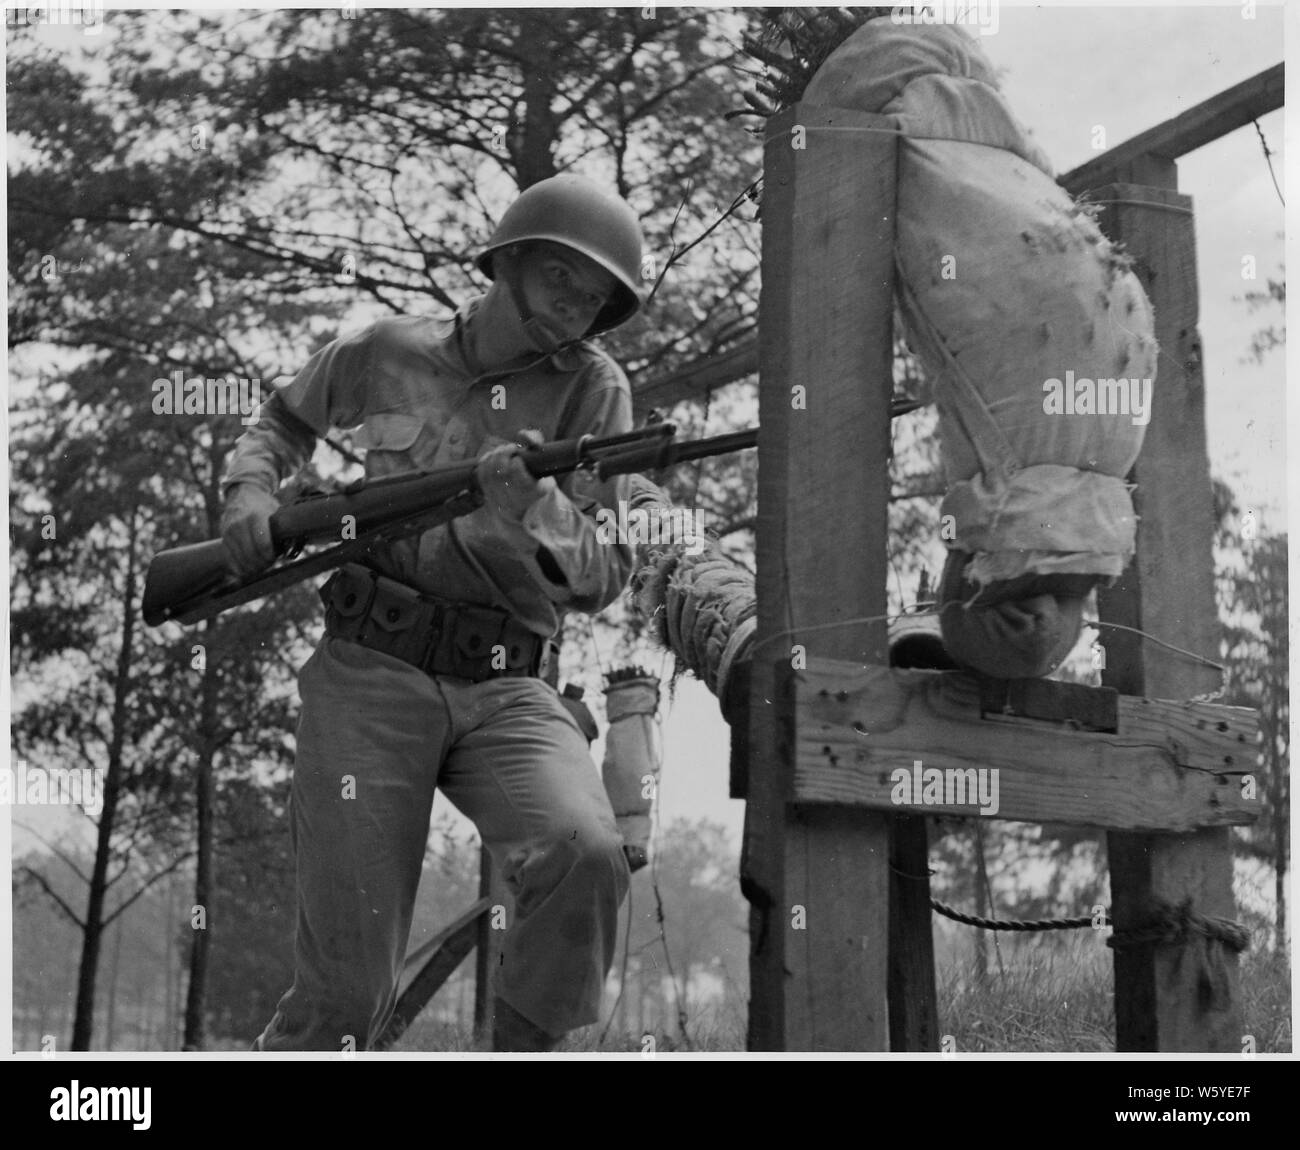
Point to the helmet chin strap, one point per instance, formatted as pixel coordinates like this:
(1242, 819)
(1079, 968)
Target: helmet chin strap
(534, 330)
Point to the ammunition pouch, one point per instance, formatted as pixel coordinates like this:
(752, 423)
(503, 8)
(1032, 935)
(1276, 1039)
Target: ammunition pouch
(466, 641)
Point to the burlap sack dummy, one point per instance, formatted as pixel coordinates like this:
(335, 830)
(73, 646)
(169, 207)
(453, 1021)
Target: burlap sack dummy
(1037, 338)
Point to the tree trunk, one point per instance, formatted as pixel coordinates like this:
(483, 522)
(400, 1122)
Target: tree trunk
(203, 872)
(112, 987)
(981, 909)
(92, 933)
(640, 999)
(169, 971)
(1281, 827)
(534, 152)
(1281, 805)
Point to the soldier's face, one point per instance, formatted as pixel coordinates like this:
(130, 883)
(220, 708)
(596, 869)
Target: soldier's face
(564, 288)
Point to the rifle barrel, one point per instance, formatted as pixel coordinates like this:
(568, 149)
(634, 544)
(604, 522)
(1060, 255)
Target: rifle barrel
(718, 445)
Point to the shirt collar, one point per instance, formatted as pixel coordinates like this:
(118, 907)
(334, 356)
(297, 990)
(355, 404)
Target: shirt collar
(566, 360)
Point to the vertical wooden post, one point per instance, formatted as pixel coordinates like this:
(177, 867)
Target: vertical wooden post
(913, 1007)
(1168, 592)
(488, 954)
(818, 877)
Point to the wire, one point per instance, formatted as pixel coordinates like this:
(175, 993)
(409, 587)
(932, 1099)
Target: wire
(595, 647)
(1268, 159)
(948, 606)
(825, 627)
(676, 253)
(699, 463)
(659, 899)
(1160, 642)
(622, 974)
(988, 890)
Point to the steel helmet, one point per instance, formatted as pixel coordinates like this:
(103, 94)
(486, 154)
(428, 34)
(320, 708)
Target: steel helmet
(578, 214)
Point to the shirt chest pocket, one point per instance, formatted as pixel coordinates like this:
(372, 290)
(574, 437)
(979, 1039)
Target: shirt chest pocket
(395, 442)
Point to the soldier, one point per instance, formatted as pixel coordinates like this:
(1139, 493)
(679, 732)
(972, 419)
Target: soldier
(433, 665)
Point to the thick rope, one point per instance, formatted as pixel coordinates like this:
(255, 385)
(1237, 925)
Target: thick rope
(1015, 923)
(1170, 926)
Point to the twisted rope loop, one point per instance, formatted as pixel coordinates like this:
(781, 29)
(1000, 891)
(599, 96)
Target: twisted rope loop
(1203, 937)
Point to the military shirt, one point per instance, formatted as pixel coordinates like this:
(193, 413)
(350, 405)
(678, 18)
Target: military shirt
(408, 387)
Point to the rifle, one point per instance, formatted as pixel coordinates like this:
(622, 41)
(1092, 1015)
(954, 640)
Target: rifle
(195, 582)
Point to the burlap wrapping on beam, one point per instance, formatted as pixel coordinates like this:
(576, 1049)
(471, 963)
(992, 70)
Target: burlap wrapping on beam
(697, 602)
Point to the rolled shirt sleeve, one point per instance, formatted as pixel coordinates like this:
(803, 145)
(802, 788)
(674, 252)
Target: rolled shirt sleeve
(576, 565)
(328, 392)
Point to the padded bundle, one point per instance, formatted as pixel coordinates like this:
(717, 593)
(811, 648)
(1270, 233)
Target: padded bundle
(630, 769)
(699, 603)
(1036, 336)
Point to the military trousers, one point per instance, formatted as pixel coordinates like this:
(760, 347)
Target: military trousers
(375, 737)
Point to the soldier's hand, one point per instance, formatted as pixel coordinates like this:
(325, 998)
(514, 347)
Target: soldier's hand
(507, 485)
(246, 528)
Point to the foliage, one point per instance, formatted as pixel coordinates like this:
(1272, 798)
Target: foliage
(792, 43)
(1272, 335)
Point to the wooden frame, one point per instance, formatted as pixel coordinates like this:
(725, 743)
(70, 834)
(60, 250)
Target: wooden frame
(822, 733)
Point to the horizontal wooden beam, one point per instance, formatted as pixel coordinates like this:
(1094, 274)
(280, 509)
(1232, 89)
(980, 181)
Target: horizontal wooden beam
(698, 378)
(1168, 767)
(1208, 121)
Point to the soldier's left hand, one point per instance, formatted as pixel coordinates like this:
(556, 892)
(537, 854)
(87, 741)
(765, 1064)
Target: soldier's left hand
(507, 485)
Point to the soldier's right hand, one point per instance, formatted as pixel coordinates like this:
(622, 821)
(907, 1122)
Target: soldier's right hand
(246, 528)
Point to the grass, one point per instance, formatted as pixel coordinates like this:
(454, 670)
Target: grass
(1061, 999)
(1056, 997)
(709, 1030)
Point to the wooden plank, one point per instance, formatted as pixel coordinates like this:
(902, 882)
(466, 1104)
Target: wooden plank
(487, 960)
(817, 879)
(913, 1003)
(1169, 766)
(1231, 109)
(1080, 708)
(735, 709)
(429, 967)
(1169, 593)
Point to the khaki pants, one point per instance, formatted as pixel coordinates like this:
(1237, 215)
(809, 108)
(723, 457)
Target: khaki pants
(374, 737)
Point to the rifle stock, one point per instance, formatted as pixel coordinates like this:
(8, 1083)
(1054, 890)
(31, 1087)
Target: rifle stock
(197, 570)
(196, 581)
